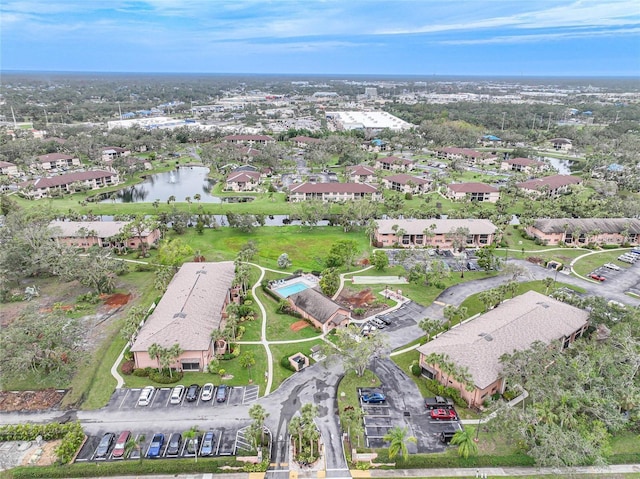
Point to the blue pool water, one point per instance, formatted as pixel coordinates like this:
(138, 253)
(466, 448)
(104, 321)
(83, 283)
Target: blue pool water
(288, 290)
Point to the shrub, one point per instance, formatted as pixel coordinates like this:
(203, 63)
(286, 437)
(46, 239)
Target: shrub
(127, 368)
(415, 368)
(71, 434)
(144, 267)
(141, 372)
(284, 362)
(164, 378)
(359, 311)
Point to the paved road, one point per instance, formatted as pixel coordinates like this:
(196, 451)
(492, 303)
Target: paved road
(316, 384)
(613, 289)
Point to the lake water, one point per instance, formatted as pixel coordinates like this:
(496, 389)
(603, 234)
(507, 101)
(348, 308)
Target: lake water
(180, 183)
(563, 166)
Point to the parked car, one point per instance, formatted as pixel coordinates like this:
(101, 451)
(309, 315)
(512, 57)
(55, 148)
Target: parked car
(384, 319)
(105, 444)
(192, 392)
(121, 443)
(373, 398)
(173, 447)
(597, 277)
(176, 394)
(438, 402)
(439, 414)
(156, 445)
(191, 445)
(471, 266)
(145, 396)
(379, 323)
(628, 258)
(207, 392)
(221, 393)
(612, 266)
(207, 444)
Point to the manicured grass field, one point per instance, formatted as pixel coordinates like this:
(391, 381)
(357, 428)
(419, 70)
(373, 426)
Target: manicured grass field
(279, 351)
(307, 247)
(587, 264)
(232, 367)
(475, 306)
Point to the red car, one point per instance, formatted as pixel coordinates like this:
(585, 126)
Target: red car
(449, 414)
(597, 277)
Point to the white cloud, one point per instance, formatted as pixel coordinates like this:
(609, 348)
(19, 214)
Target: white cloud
(576, 14)
(540, 37)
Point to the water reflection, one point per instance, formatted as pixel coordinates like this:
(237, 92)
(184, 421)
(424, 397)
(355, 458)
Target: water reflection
(562, 166)
(180, 183)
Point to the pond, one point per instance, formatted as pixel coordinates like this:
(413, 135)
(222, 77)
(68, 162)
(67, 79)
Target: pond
(563, 166)
(180, 183)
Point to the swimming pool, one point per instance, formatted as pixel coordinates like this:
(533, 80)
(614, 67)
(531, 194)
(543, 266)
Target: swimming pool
(293, 288)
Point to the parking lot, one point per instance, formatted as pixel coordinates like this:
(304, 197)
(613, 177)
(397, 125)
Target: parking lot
(226, 441)
(123, 399)
(379, 418)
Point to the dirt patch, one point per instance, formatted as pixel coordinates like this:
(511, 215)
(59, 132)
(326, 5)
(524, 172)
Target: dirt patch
(41, 455)
(30, 400)
(298, 325)
(364, 301)
(116, 300)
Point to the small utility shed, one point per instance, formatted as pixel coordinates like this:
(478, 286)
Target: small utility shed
(515, 325)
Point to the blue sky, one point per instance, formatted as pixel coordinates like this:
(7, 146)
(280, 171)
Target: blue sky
(392, 37)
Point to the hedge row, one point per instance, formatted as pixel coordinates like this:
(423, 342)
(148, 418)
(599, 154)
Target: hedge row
(422, 461)
(71, 434)
(129, 468)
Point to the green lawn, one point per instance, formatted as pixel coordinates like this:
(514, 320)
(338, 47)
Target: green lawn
(279, 325)
(587, 264)
(475, 306)
(279, 351)
(307, 247)
(232, 367)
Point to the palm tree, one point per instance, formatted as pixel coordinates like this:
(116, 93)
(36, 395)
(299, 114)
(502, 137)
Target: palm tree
(154, 351)
(259, 416)
(197, 197)
(296, 429)
(192, 434)
(136, 444)
(547, 284)
(398, 437)
(171, 199)
(466, 445)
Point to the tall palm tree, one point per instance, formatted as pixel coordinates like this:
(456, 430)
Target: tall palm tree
(259, 416)
(464, 440)
(398, 437)
(154, 351)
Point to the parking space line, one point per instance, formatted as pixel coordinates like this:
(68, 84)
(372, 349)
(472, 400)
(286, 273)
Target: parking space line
(126, 394)
(169, 397)
(218, 445)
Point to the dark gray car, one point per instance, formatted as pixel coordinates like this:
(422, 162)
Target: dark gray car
(173, 448)
(105, 444)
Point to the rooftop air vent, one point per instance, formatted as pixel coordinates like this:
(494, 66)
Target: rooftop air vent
(180, 315)
(488, 337)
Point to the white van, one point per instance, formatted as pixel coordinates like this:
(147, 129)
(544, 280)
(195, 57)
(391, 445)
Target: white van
(145, 396)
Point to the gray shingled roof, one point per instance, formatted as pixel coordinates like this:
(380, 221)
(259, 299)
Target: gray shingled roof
(513, 326)
(190, 309)
(586, 225)
(316, 304)
(415, 226)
